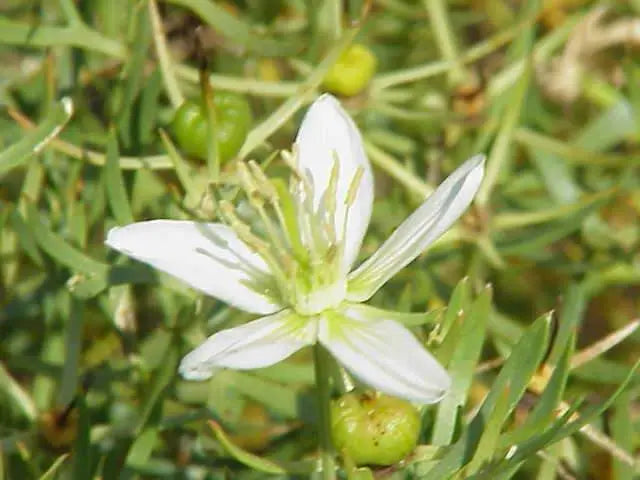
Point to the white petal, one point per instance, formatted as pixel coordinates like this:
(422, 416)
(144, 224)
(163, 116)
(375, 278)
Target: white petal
(256, 344)
(385, 355)
(207, 256)
(328, 132)
(419, 230)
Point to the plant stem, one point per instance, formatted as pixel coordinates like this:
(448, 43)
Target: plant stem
(445, 38)
(307, 91)
(164, 58)
(24, 34)
(320, 361)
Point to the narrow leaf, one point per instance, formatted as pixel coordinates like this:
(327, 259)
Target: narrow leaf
(116, 192)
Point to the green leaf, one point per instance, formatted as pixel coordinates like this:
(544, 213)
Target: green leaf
(53, 469)
(469, 334)
(83, 287)
(536, 238)
(73, 344)
(12, 393)
(34, 141)
(59, 249)
(516, 373)
(607, 129)
(142, 448)
(254, 461)
(133, 78)
(556, 174)
(160, 380)
(456, 310)
(26, 238)
(82, 454)
(545, 409)
(623, 434)
(514, 457)
(593, 412)
(114, 183)
(281, 399)
(602, 371)
(573, 307)
(562, 428)
(489, 439)
(184, 172)
(237, 31)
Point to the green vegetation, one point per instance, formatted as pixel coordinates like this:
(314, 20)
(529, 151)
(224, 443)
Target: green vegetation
(530, 301)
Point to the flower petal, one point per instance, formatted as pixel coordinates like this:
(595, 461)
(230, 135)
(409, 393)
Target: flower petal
(419, 230)
(207, 256)
(327, 132)
(385, 355)
(256, 344)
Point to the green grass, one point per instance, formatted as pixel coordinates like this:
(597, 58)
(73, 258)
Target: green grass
(537, 286)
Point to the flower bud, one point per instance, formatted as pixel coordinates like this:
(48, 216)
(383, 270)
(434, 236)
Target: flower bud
(373, 428)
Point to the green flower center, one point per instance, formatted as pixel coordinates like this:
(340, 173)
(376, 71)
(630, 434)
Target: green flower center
(298, 241)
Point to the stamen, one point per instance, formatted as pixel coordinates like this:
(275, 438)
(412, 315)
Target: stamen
(248, 184)
(242, 229)
(329, 200)
(354, 186)
(256, 243)
(287, 216)
(303, 189)
(256, 198)
(349, 200)
(291, 160)
(267, 189)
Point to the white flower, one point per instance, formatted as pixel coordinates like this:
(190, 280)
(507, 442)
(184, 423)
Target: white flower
(298, 277)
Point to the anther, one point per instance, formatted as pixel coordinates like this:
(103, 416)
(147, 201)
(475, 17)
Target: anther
(264, 185)
(256, 243)
(248, 184)
(242, 229)
(291, 160)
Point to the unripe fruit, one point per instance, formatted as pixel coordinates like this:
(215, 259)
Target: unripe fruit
(352, 72)
(374, 429)
(233, 121)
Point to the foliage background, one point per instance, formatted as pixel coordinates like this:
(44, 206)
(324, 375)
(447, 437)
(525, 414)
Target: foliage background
(90, 341)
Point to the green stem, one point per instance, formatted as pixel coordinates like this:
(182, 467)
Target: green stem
(501, 151)
(445, 38)
(307, 90)
(396, 170)
(164, 58)
(71, 13)
(239, 84)
(24, 34)
(321, 363)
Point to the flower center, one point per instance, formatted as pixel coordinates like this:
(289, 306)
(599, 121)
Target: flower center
(321, 299)
(300, 242)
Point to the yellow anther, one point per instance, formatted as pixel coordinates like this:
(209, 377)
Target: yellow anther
(266, 187)
(248, 183)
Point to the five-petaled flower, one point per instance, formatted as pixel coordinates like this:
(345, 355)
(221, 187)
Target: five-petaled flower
(297, 274)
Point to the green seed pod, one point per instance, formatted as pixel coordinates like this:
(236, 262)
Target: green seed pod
(352, 72)
(233, 121)
(374, 429)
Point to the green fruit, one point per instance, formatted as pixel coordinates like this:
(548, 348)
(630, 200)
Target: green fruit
(374, 429)
(233, 121)
(352, 72)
